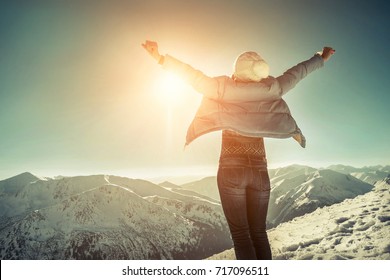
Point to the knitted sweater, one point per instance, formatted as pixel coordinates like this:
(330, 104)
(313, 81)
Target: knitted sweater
(234, 144)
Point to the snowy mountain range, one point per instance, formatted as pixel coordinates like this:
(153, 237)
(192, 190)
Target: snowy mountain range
(370, 174)
(105, 217)
(111, 217)
(297, 189)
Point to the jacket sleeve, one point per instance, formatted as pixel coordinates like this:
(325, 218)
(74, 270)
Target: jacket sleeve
(292, 76)
(268, 89)
(199, 81)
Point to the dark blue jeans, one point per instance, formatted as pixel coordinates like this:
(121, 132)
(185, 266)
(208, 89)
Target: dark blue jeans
(244, 188)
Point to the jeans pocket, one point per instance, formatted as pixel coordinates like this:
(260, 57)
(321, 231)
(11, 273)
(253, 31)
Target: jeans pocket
(261, 180)
(232, 177)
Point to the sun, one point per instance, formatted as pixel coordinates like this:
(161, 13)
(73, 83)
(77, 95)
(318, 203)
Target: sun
(170, 88)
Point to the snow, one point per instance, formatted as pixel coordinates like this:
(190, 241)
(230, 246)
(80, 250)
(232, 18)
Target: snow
(178, 189)
(206, 186)
(357, 228)
(289, 172)
(368, 174)
(14, 184)
(315, 214)
(353, 229)
(107, 217)
(304, 189)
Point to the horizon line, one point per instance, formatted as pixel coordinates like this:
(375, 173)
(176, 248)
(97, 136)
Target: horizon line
(170, 172)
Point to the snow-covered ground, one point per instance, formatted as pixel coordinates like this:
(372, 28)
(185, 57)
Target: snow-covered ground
(357, 228)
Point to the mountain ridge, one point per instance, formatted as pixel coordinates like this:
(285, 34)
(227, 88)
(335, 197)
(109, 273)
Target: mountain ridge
(105, 217)
(113, 217)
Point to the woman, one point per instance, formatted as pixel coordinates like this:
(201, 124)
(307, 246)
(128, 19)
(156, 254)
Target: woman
(246, 107)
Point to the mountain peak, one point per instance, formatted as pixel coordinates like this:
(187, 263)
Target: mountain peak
(23, 178)
(167, 184)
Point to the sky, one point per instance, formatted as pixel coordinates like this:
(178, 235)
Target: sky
(80, 96)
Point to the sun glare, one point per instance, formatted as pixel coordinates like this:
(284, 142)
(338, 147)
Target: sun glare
(171, 88)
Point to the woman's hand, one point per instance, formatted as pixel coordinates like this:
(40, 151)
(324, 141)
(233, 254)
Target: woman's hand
(152, 48)
(327, 52)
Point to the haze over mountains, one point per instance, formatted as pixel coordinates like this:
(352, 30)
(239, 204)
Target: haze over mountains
(111, 217)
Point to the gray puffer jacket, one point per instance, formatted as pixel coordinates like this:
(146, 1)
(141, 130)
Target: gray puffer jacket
(253, 109)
